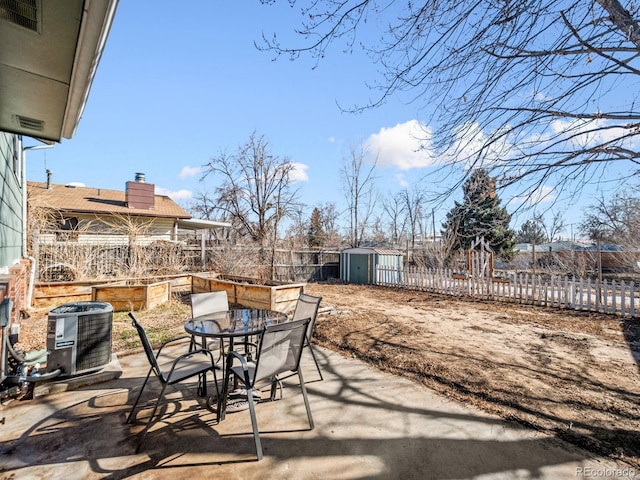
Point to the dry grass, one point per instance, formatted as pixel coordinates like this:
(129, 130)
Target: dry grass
(162, 323)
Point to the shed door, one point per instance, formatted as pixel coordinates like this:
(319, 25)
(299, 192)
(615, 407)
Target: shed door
(359, 269)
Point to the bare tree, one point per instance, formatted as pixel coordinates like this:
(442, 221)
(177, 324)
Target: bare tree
(296, 234)
(329, 219)
(412, 200)
(379, 234)
(553, 227)
(540, 94)
(615, 220)
(359, 190)
(205, 206)
(394, 208)
(255, 192)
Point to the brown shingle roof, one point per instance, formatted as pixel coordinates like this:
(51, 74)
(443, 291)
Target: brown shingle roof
(100, 200)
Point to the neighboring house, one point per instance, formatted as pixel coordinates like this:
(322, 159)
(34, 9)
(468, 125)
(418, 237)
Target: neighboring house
(524, 247)
(560, 246)
(100, 216)
(48, 57)
(611, 258)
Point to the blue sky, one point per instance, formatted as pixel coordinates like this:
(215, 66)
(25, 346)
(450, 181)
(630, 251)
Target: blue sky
(177, 86)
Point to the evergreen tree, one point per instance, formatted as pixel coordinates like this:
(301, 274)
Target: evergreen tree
(531, 231)
(315, 234)
(480, 215)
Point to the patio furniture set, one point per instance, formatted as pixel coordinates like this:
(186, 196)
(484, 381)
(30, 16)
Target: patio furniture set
(253, 348)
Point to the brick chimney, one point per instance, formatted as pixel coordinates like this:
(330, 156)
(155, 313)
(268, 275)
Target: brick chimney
(140, 194)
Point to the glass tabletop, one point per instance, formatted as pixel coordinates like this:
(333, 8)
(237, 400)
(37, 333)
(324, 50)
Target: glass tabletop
(236, 322)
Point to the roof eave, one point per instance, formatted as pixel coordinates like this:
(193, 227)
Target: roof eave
(97, 20)
(197, 224)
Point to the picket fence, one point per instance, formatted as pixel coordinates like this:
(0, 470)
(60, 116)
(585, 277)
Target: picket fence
(610, 297)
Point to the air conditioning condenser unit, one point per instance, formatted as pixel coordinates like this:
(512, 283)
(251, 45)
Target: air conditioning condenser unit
(79, 337)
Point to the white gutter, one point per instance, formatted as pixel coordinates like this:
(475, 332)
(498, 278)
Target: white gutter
(97, 18)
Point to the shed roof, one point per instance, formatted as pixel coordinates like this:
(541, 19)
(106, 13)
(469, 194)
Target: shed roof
(370, 250)
(100, 201)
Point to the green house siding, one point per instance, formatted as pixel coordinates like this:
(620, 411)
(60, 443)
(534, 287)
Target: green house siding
(10, 200)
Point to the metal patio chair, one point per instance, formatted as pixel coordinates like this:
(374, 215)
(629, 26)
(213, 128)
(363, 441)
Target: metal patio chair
(170, 369)
(279, 350)
(209, 302)
(307, 307)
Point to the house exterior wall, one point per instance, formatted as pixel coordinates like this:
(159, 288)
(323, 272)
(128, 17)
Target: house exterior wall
(11, 198)
(96, 230)
(13, 269)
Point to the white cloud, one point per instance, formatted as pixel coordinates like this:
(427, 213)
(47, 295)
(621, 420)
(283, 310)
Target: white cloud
(469, 140)
(542, 194)
(402, 181)
(588, 133)
(406, 146)
(332, 139)
(174, 195)
(299, 172)
(189, 171)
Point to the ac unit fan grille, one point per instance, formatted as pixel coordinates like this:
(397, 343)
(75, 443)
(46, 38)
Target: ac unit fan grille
(94, 340)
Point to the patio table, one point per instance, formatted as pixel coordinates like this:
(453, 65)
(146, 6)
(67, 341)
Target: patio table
(230, 325)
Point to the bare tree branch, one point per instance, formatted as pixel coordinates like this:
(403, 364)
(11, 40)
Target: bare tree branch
(540, 94)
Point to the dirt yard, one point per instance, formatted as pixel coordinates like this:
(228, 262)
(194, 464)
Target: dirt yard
(572, 374)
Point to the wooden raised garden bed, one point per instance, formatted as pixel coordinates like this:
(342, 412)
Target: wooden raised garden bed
(54, 294)
(126, 296)
(250, 292)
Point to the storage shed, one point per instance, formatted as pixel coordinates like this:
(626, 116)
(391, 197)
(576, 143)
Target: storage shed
(358, 265)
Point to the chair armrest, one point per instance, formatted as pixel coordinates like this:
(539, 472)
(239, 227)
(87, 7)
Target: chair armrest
(243, 364)
(243, 361)
(189, 354)
(167, 342)
(199, 350)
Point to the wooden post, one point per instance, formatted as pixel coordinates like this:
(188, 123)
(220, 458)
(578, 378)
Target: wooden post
(203, 251)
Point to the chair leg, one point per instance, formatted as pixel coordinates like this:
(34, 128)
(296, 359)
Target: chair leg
(135, 404)
(274, 388)
(222, 396)
(254, 423)
(202, 384)
(315, 359)
(146, 428)
(306, 399)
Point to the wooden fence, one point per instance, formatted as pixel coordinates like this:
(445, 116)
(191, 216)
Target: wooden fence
(612, 297)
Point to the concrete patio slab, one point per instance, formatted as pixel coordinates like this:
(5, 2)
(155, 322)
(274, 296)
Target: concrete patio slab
(368, 424)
